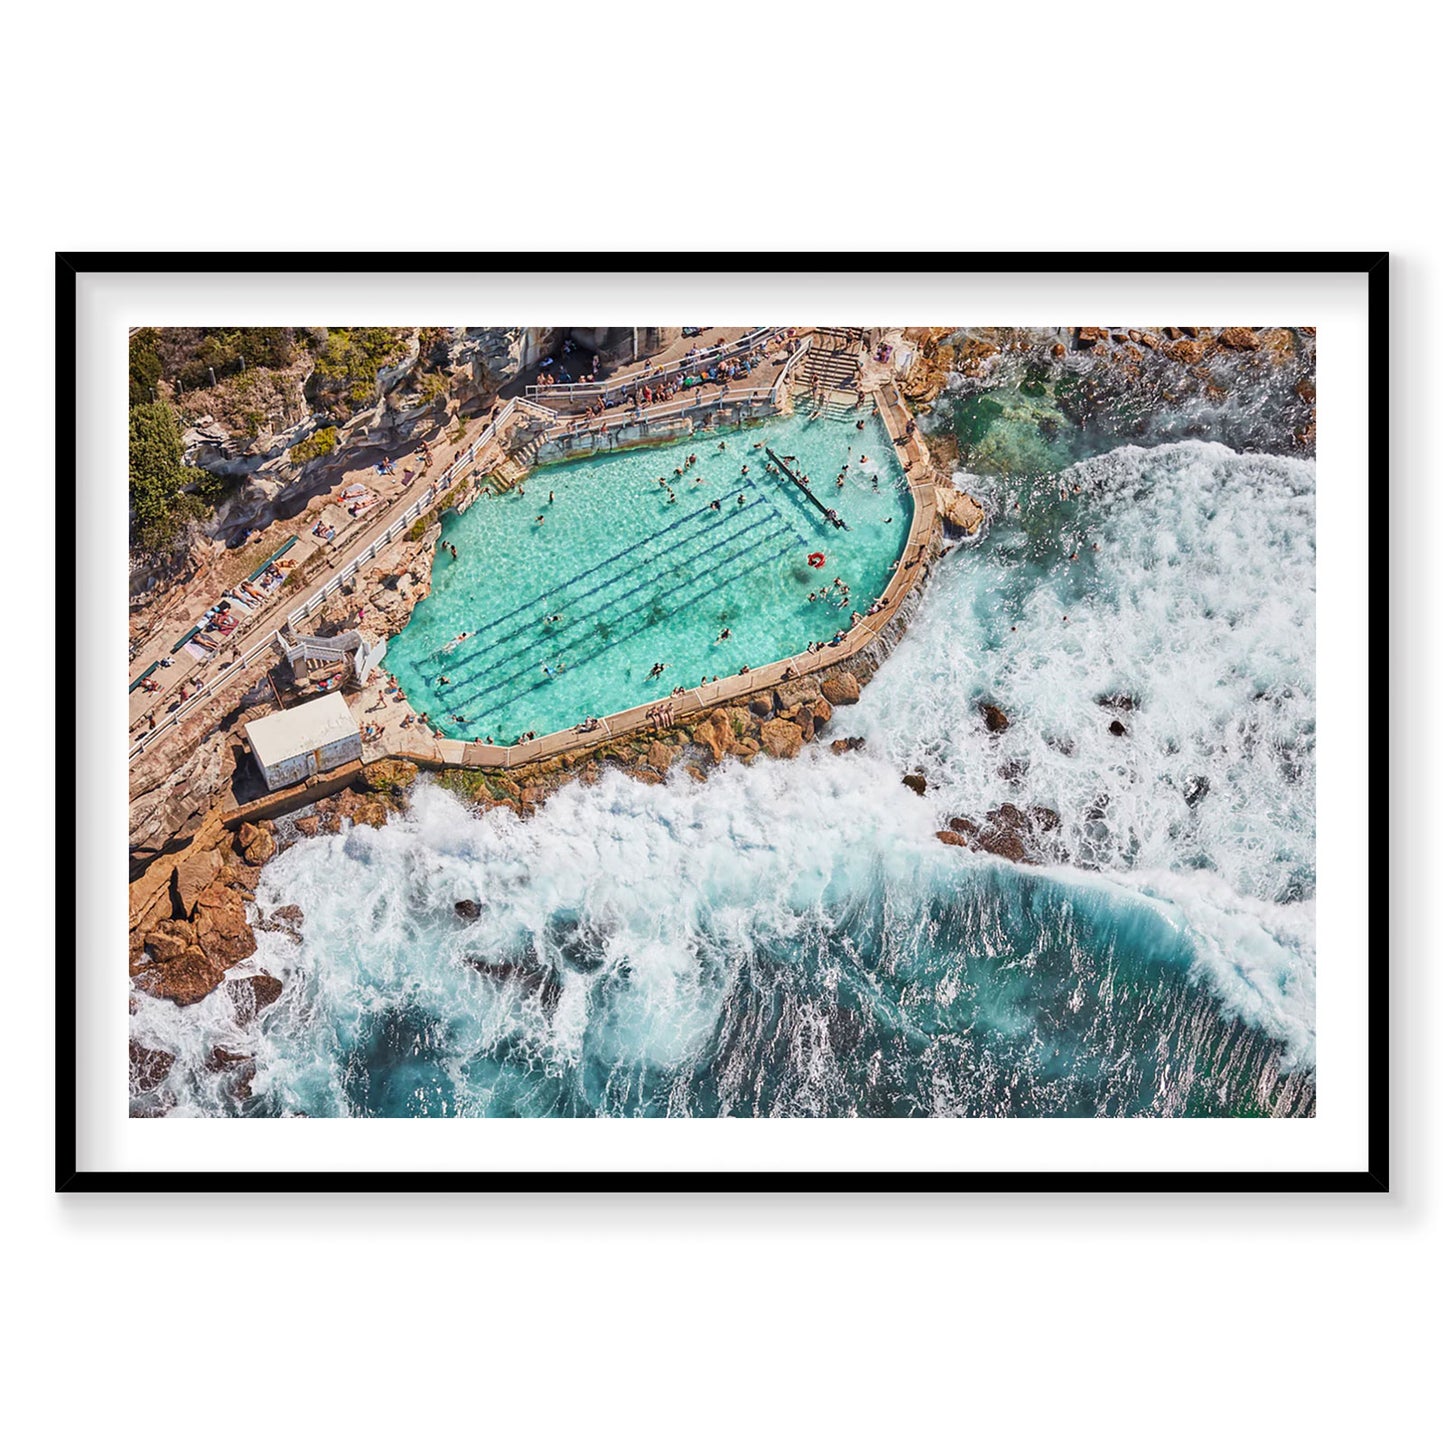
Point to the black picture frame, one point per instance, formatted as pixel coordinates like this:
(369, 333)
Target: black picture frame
(69, 1178)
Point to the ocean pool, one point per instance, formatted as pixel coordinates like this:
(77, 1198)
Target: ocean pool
(631, 566)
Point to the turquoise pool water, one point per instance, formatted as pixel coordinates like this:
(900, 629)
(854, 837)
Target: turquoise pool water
(566, 617)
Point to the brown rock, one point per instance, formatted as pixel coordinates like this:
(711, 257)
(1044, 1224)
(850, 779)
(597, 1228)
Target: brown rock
(660, 756)
(256, 844)
(220, 1058)
(966, 826)
(804, 721)
(1059, 349)
(781, 739)
(705, 735)
(1240, 338)
(389, 775)
(917, 782)
(250, 995)
(841, 688)
(369, 812)
(169, 939)
(1149, 339)
(308, 827)
(1188, 353)
(796, 693)
(959, 511)
(761, 706)
(1003, 842)
(954, 840)
(995, 719)
(193, 874)
(148, 1067)
(287, 919)
(848, 745)
(1088, 335)
(184, 980)
(221, 927)
(822, 711)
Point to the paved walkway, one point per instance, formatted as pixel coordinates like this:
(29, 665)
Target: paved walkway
(189, 672)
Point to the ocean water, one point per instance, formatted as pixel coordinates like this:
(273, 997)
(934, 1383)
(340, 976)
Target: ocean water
(791, 938)
(568, 616)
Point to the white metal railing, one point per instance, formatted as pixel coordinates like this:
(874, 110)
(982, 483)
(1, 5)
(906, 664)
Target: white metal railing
(782, 376)
(593, 390)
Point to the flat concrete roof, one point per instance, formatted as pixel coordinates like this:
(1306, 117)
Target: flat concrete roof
(303, 729)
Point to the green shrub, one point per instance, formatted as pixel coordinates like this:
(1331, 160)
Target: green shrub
(145, 365)
(351, 357)
(156, 473)
(319, 444)
(431, 386)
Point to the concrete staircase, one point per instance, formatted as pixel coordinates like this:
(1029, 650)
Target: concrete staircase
(832, 360)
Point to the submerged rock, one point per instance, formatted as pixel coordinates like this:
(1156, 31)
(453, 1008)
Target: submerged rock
(1118, 701)
(219, 1059)
(250, 995)
(1196, 789)
(994, 717)
(467, 908)
(1118, 729)
(148, 1067)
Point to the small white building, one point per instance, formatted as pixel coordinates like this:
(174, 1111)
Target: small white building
(290, 746)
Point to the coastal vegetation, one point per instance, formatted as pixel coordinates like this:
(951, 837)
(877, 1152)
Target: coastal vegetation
(319, 444)
(348, 361)
(164, 492)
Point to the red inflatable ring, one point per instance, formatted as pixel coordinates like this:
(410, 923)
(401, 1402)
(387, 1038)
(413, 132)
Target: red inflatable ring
(816, 559)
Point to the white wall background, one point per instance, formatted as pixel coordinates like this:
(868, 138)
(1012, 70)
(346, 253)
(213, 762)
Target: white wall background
(1136, 126)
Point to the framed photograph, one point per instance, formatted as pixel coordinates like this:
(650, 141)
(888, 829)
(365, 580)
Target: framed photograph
(929, 750)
